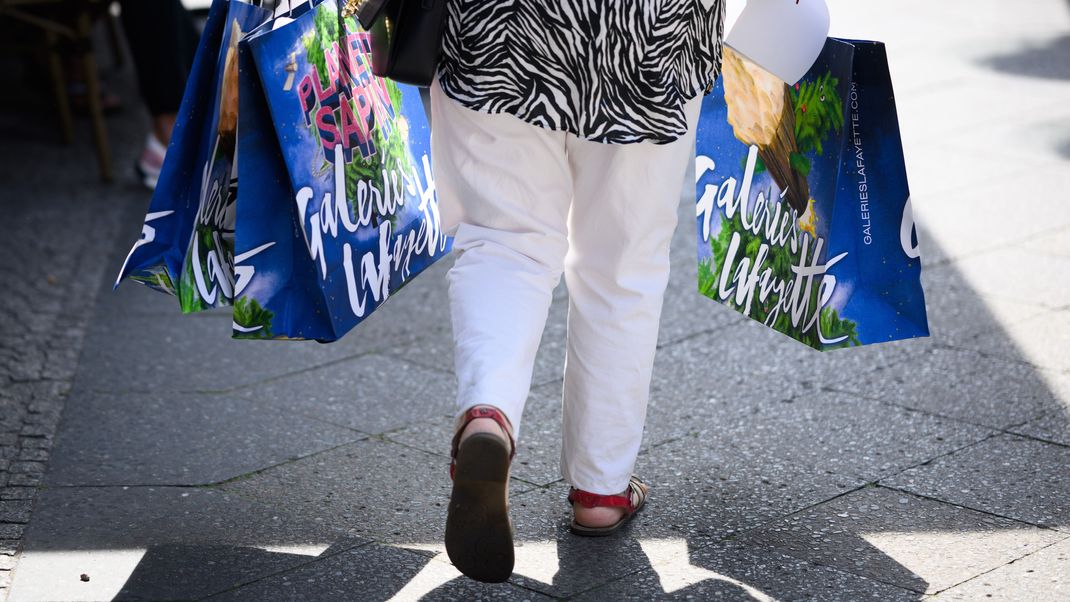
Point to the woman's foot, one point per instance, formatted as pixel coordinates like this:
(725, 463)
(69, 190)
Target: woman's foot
(484, 425)
(597, 515)
(150, 162)
(600, 516)
(479, 534)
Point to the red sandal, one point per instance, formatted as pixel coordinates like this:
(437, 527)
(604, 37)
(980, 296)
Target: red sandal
(631, 502)
(479, 534)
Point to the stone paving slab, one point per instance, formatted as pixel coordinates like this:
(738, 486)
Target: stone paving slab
(372, 393)
(370, 488)
(964, 385)
(685, 505)
(686, 404)
(958, 314)
(59, 222)
(376, 572)
(1042, 575)
(1056, 243)
(685, 311)
(699, 495)
(694, 367)
(704, 490)
(1002, 275)
(732, 571)
(197, 354)
(986, 19)
(845, 435)
(1013, 101)
(959, 238)
(132, 299)
(1043, 130)
(929, 185)
(1015, 477)
(903, 540)
(538, 445)
(182, 353)
(1043, 340)
(160, 543)
(437, 352)
(1054, 427)
(116, 439)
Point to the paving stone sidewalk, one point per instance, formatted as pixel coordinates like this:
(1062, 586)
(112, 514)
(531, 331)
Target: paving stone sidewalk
(151, 453)
(60, 226)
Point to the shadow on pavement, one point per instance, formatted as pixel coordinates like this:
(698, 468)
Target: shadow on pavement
(1049, 59)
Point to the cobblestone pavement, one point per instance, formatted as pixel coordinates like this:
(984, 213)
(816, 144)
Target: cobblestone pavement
(59, 226)
(187, 466)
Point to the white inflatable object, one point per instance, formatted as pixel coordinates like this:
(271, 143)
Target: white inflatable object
(784, 37)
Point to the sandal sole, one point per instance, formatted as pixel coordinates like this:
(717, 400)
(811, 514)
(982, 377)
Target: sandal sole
(585, 531)
(479, 534)
(579, 529)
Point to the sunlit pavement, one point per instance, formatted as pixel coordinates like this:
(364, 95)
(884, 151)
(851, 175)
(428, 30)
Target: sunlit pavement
(187, 465)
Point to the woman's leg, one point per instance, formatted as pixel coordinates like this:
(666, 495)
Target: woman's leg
(163, 40)
(617, 268)
(504, 189)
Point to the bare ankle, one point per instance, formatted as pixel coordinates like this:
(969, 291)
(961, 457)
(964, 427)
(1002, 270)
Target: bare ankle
(485, 425)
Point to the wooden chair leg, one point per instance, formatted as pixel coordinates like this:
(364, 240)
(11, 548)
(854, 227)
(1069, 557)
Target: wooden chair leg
(59, 87)
(96, 112)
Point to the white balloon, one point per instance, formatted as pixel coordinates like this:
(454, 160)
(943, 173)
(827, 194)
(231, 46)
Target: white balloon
(784, 37)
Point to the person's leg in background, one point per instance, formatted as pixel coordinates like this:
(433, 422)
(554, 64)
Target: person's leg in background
(163, 41)
(620, 227)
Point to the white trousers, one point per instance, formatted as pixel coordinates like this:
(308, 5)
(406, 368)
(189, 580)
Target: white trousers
(526, 204)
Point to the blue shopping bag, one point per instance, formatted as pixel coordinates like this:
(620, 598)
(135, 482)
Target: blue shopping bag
(186, 245)
(337, 209)
(803, 208)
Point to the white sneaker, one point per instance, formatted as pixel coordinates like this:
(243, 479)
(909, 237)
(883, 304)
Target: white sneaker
(150, 162)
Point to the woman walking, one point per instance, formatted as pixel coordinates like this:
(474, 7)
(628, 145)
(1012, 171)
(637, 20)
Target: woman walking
(561, 131)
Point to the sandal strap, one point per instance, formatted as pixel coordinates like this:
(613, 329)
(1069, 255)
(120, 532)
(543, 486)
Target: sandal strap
(480, 412)
(631, 501)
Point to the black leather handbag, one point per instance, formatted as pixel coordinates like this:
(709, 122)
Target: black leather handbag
(406, 36)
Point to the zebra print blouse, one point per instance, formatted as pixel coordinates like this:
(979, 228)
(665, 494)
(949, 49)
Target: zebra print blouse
(612, 71)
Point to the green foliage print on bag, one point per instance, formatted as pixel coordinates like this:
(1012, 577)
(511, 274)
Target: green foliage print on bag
(254, 320)
(211, 259)
(818, 111)
(157, 279)
(780, 261)
(390, 156)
